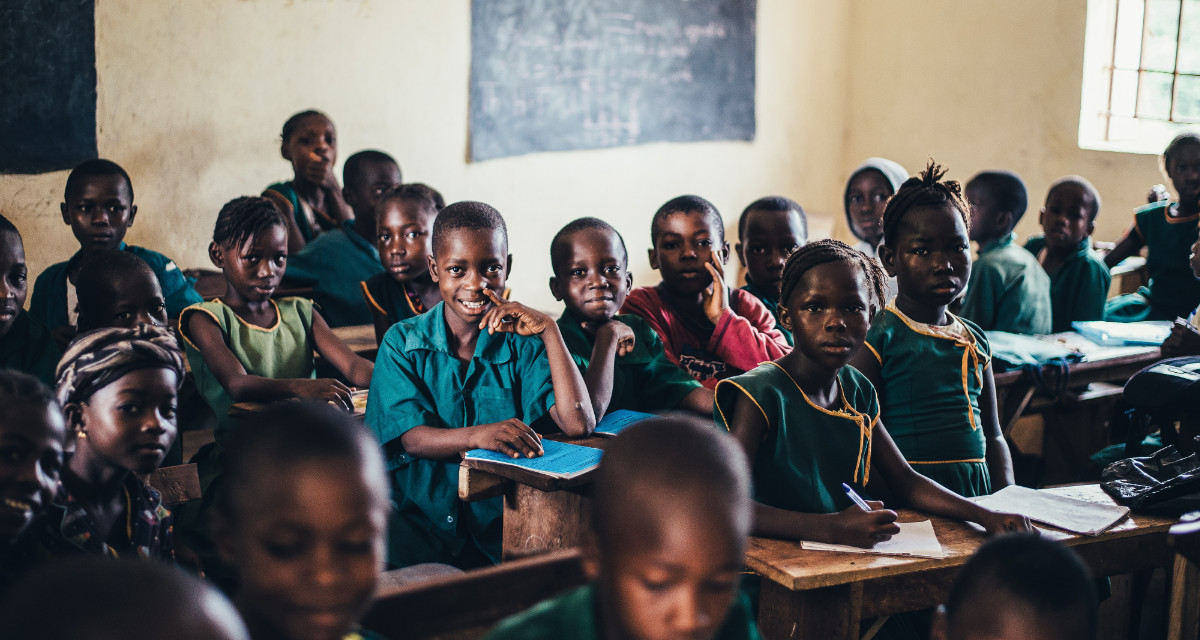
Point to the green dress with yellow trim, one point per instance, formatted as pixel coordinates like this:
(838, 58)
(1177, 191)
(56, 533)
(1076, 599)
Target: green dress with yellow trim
(932, 378)
(808, 451)
(1173, 291)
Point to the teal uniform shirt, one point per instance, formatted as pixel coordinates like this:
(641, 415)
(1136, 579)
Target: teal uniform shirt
(929, 398)
(336, 263)
(49, 300)
(418, 381)
(575, 614)
(771, 302)
(644, 379)
(28, 347)
(808, 450)
(1078, 288)
(1008, 290)
(286, 190)
(1174, 291)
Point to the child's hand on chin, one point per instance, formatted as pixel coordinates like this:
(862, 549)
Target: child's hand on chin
(716, 297)
(513, 317)
(617, 333)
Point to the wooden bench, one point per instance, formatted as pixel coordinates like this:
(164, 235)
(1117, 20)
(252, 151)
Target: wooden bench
(177, 484)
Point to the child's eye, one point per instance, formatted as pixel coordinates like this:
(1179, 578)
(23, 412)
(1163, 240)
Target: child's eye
(757, 251)
(493, 269)
(670, 245)
(158, 306)
(169, 411)
(284, 550)
(812, 308)
(124, 315)
(704, 243)
(854, 308)
(612, 270)
(920, 251)
(131, 408)
(454, 270)
(413, 235)
(578, 273)
(384, 237)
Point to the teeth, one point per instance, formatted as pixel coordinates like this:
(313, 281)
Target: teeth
(17, 504)
(474, 305)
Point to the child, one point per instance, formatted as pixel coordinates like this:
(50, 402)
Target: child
(769, 229)
(118, 289)
(622, 358)
(1079, 279)
(98, 206)
(118, 389)
(1009, 290)
(867, 189)
(474, 372)
(669, 523)
(706, 329)
(25, 343)
(810, 423)
(308, 540)
(404, 232)
(248, 346)
(1185, 336)
(1020, 586)
(312, 202)
(1167, 230)
(31, 451)
(337, 261)
(930, 367)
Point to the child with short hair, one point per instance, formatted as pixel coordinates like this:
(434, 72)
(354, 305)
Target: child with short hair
(474, 372)
(25, 343)
(1009, 290)
(1079, 279)
(867, 190)
(32, 437)
(669, 524)
(98, 206)
(931, 368)
(768, 230)
(1020, 586)
(337, 261)
(706, 329)
(302, 517)
(312, 202)
(621, 357)
(118, 289)
(404, 233)
(1167, 230)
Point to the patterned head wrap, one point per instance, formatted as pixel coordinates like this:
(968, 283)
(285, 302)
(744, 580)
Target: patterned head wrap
(97, 358)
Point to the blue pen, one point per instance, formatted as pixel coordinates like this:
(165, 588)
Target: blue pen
(855, 497)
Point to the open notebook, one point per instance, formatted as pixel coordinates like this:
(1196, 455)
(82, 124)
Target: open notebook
(916, 539)
(616, 421)
(559, 460)
(1068, 514)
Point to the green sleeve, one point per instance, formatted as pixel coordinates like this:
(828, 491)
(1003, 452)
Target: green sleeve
(661, 379)
(1091, 292)
(984, 291)
(535, 383)
(399, 399)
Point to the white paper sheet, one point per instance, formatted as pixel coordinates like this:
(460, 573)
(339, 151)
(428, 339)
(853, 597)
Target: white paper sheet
(915, 539)
(1070, 514)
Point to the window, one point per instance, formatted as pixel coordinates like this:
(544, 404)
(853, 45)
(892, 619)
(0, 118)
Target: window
(1141, 79)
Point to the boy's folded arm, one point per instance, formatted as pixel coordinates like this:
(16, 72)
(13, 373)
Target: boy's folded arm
(576, 417)
(507, 436)
(355, 368)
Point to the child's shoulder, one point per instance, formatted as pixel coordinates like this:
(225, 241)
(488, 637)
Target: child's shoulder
(157, 261)
(1154, 207)
(570, 615)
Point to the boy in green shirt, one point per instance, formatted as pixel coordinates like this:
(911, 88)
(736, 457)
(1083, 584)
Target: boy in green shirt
(769, 230)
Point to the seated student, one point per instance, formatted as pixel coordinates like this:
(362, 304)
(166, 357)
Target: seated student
(707, 329)
(339, 259)
(312, 202)
(867, 190)
(622, 358)
(403, 232)
(1185, 337)
(303, 518)
(769, 229)
(1079, 280)
(118, 289)
(25, 343)
(1167, 230)
(669, 523)
(474, 372)
(1009, 290)
(98, 206)
(247, 345)
(1020, 586)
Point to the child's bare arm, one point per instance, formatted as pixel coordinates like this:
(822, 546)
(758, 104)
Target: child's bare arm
(353, 367)
(999, 458)
(867, 364)
(1130, 245)
(699, 400)
(613, 338)
(510, 437)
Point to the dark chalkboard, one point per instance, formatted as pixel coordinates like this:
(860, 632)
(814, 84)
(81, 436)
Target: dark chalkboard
(47, 84)
(552, 75)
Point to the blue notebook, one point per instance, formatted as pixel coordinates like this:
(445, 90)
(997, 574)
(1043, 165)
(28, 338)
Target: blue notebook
(615, 421)
(559, 460)
(1150, 333)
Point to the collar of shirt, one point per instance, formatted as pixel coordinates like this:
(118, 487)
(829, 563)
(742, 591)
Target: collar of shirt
(998, 243)
(428, 332)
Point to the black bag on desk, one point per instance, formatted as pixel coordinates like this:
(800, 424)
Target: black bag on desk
(1165, 482)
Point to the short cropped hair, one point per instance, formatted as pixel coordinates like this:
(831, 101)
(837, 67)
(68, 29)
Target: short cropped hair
(289, 126)
(1006, 189)
(926, 189)
(356, 164)
(1180, 141)
(772, 203)
(97, 273)
(468, 214)
(7, 225)
(415, 192)
(686, 204)
(242, 219)
(1082, 183)
(17, 386)
(92, 169)
(559, 245)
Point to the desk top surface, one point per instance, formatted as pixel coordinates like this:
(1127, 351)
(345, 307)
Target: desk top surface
(360, 337)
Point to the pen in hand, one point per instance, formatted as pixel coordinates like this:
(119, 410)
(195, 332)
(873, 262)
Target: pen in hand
(853, 495)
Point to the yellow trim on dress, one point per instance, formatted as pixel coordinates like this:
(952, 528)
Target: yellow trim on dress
(945, 461)
(873, 351)
(747, 393)
(371, 299)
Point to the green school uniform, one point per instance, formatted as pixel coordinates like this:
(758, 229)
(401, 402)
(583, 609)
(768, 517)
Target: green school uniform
(335, 263)
(929, 397)
(29, 347)
(770, 300)
(1174, 291)
(419, 381)
(1078, 287)
(389, 298)
(1008, 291)
(575, 615)
(808, 450)
(644, 379)
(282, 351)
(286, 190)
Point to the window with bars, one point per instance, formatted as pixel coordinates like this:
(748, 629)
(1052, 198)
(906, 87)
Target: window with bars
(1141, 83)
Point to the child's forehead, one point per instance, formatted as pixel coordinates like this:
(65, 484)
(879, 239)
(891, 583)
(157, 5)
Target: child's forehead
(1072, 190)
(594, 241)
(466, 243)
(314, 121)
(764, 221)
(930, 219)
(104, 186)
(689, 223)
(405, 211)
(11, 245)
(273, 237)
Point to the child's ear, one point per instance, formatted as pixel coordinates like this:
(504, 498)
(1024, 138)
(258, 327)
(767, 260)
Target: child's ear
(628, 280)
(740, 254)
(1091, 228)
(283, 151)
(66, 216)
(937, 628)
(508, 267)
(1042, 217)
(785, 320)
(132, 214)
(554, 288)
(653, 253)
(215, 255)
(724, 252)
(1005, 220)
(433, 268)
(888, 257)
(73, 415)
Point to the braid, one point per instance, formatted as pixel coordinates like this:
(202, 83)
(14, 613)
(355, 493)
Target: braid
(241, 219)
(823, 251)
(927, 189)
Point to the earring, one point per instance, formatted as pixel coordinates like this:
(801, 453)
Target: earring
(81, 434)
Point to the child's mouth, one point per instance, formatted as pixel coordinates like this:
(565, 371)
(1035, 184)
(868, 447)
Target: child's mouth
(474, 305)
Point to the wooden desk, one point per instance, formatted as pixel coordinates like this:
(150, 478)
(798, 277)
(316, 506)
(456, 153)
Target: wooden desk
(360, 338)
(248, 408)
(822, 594)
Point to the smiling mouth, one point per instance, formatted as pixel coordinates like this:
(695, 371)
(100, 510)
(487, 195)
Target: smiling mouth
(475, 305)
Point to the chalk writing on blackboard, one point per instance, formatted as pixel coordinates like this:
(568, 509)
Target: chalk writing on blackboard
(553, 75)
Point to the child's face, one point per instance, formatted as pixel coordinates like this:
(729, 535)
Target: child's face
(469, 261)
(136, 299)
(985, 214)
(769, 237)
(404, 238)
(100, 211)
(130, 423)
(31, 452)
(312, 148)
(14, 279)
(309, 557)
(375, 178)
(1184, 172)
(686, 241)
(255, 268)
(829, 313)
(866, 198)
(932, 257)
(1001, 618)
(593, 280)
(1067, 217)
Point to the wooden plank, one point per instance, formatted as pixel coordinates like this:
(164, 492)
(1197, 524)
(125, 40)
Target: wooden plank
(476, 484)
(360, 338)
(177, 484)
(828, 613)
(537, 521)
(1183, 619)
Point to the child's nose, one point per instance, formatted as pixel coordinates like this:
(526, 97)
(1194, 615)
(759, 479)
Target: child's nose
(688, 615)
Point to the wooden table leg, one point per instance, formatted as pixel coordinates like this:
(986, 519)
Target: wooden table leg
(537, 521)
(831, 613)
(1184, 619)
